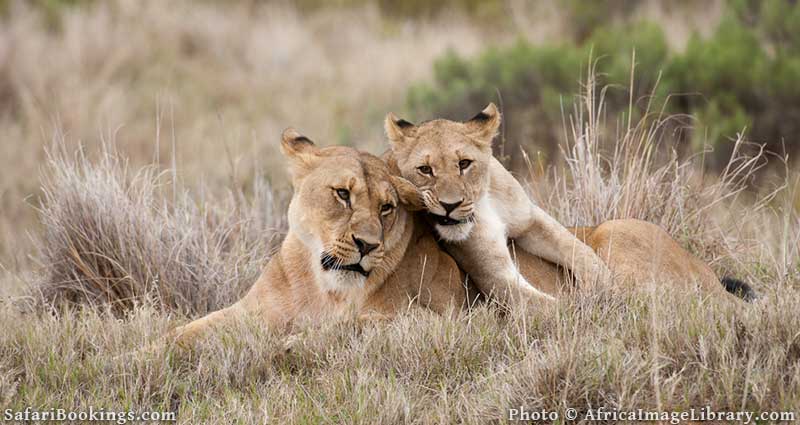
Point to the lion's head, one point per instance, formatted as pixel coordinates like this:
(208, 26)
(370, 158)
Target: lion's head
(345, 208)
(449, 162)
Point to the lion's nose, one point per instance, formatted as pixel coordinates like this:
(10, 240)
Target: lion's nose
(363, 246)
(450, 207)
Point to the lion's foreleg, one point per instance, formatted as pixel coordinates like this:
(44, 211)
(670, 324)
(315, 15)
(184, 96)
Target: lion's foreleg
(186, 335)
(545, 237)
(486, 258)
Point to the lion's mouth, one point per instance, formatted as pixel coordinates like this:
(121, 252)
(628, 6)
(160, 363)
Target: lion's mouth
(446, 221)
(330, 262)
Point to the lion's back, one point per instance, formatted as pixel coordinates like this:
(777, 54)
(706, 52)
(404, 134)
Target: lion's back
(639, 251)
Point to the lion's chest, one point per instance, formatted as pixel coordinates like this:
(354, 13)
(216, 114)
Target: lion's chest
(490, 217)
(341, 302)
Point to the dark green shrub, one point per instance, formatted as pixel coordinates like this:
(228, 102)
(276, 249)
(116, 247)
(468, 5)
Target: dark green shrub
(494, 11)
(530, 81)
(52, 10)
(717, 78)
(746, 75)
(527, 80)
(777, 22)
(614, 49)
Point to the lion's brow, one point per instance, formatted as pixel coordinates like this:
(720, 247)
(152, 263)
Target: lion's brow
(366, 174)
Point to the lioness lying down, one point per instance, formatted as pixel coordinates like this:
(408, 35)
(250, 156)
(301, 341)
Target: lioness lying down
(350, 250)
(353, 249)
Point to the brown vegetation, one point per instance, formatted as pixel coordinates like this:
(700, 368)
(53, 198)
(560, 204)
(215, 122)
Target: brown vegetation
(151, 246)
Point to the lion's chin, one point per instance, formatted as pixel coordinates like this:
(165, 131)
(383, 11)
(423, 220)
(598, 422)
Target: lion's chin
(343, 280)
(351, 279)
(455, 232)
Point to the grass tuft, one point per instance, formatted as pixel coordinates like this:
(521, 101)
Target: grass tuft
(114, 236)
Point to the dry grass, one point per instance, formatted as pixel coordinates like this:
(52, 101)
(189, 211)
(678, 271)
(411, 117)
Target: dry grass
(109, 238)
(213, 83)
(151, 246)
(630, 170)
(619, 349)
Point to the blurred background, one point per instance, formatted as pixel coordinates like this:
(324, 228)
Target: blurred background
(208, 86)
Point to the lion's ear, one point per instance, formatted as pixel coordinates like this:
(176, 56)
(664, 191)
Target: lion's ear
(410, 196)
(483, 126)
(398, 130)
(301, 152)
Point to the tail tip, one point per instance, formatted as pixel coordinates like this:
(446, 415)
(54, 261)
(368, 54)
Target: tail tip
(739, 288)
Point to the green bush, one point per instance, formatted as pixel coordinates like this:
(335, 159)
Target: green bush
(526, 79)
(52, 10)
(530, 81)
(745, 75)
(776, 21)
(517, 73)
(614, 49)
(481, 10)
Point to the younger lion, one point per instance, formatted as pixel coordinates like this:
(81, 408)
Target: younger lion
(477, 205)
(351, 248)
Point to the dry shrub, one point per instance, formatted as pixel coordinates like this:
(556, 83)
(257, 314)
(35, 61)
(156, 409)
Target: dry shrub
(117, 236)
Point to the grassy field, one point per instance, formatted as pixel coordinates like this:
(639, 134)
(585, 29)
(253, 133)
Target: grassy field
(177, 199)
(150, 255)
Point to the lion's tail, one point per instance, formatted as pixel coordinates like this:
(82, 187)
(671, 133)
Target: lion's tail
(739, 288)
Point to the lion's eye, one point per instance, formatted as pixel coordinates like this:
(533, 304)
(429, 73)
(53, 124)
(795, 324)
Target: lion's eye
(386, 208)
(425, 169)
(464, 164)
(343, 194)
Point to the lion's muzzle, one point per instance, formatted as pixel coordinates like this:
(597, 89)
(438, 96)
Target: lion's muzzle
(446, 220)
(330, 262)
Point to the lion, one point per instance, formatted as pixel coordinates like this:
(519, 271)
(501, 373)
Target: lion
(355, 249)
(637, 252)
(476, 205)
(351, 249)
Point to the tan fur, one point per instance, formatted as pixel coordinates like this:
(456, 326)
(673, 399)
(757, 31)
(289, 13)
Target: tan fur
(491, 204)
(407, 268)
(637, 252)
(414, 270)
